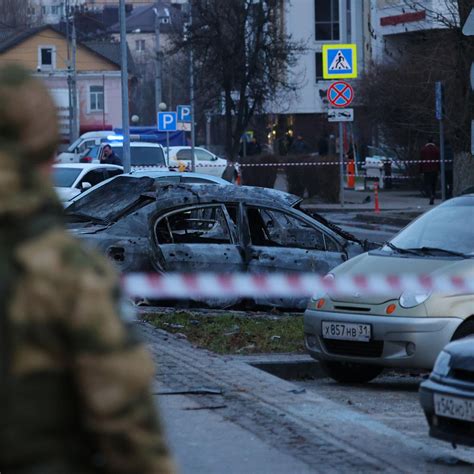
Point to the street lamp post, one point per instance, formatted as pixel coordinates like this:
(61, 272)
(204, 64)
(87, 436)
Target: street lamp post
(162, 108)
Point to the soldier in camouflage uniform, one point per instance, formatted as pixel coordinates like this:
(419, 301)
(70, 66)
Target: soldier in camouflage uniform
(74, 381)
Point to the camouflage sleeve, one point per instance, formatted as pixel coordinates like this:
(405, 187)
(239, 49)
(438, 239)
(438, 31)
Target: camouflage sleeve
(114, 375)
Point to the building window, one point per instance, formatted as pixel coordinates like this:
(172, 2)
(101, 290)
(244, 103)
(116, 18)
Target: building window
(96, 98)
(46, 57)
(326, 13)
(140, 45)
(319, 66)
(44, 10)
(55, 10)
(31, 11)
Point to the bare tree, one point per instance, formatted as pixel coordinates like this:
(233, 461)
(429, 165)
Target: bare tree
(242, 57)
(402, 102)
(14, 13)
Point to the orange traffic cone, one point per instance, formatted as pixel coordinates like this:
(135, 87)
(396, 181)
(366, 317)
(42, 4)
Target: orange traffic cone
(351, 174)
(238, 179)
(376, 197)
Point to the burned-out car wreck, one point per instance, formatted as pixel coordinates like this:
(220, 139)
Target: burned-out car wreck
(144, 226)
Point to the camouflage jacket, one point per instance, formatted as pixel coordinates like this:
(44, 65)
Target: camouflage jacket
(74, 381)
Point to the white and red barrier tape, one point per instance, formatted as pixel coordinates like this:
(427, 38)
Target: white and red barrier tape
(277, 285)
(302, 163)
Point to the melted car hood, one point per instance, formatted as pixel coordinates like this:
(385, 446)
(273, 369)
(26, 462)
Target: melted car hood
(394, 264)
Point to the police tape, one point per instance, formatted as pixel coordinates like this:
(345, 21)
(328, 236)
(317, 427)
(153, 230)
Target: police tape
(281, 285)
(301, 163)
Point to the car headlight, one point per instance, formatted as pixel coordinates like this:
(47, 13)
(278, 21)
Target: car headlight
(409, 299)
(442, 366)
(322, 293)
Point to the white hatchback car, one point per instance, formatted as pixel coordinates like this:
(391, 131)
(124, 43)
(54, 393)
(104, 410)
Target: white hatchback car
(71, 179)
(206, 162)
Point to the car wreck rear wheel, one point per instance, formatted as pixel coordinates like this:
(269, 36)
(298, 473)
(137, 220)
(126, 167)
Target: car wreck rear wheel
(347, 372)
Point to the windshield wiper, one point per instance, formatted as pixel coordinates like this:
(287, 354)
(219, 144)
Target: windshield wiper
(430, 250)
(85, 217)
(401, 250)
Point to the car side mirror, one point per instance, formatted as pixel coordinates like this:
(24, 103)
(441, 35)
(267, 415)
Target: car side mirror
(85, 186)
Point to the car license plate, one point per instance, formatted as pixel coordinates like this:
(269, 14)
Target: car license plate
(453, 407)
(347, 331)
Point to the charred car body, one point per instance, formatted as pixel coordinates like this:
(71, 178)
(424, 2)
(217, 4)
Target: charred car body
(197, 228)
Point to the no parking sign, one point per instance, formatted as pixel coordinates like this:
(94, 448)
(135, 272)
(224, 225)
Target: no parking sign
(340, 94)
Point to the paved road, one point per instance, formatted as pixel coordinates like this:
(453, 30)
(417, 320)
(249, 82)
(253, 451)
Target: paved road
(257, 423)
(350, 222)
(391, 399)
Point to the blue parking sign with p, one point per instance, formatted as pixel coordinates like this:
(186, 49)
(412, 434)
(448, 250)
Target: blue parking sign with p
(184, 113)
(167, 121)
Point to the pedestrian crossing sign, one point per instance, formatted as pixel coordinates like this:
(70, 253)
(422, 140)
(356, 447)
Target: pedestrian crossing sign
(339, 61)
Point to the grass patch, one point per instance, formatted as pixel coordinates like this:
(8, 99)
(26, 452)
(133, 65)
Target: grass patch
(231, 334)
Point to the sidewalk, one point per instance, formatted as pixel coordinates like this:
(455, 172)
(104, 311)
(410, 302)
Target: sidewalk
(252, 422)
(389, 200)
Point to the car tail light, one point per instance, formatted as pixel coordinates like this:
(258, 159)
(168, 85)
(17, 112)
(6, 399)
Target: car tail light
(86, 159)
(391, 308)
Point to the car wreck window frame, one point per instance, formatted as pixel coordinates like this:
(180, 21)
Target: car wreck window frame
(298, 215)
(158, 218)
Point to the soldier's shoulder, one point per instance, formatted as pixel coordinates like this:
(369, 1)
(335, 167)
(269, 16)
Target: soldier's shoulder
(56, 251)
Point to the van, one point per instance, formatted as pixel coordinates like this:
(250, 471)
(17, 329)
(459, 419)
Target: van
(143, 154)
(84, 142)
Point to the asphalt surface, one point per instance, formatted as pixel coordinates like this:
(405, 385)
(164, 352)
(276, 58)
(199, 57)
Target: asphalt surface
(225, 416)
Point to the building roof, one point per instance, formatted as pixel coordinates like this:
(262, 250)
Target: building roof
(143, 18)
(108, 50)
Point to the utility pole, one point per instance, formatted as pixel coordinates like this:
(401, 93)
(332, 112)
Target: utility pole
(191, 93)
(125, 106)
(69, 78)
(75, 115)
(158, 93)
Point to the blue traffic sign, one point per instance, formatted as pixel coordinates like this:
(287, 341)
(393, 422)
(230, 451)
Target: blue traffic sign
(340, 94)
(167, 121)
(339, 61)
(184, 113)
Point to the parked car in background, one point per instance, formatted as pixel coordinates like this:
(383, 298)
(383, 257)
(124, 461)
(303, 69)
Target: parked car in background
(143, 154)
(356, 336)
(206, 162)
(143, 225)
(447, 397)
(88, 140)
(70, 179)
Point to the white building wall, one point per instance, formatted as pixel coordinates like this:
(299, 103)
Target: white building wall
(300, 24)
(392, 20)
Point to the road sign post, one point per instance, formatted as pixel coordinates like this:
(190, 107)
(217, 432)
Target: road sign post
(439, 117)
(341, 165)
(167, 122)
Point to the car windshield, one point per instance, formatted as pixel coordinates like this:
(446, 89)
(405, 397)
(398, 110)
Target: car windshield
(92, 152)
(74, 145)
(144, 155)
(443, 231)
(65, 177)
(111, 200)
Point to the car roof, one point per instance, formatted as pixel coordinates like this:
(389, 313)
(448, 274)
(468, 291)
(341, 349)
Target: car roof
(178, 194)
(85, 166)
(119, 143)
(157, 173)
(98, 134)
